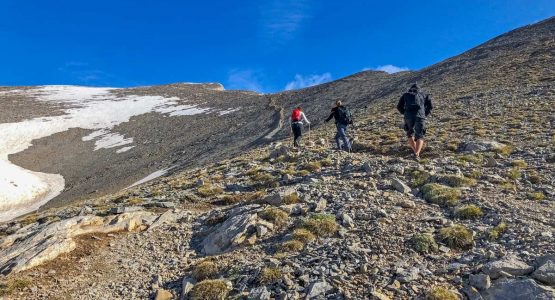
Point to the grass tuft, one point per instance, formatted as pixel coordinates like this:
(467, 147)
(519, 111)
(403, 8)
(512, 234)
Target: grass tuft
(269, 275)
(291, 198)
(538, 196)
(292, 246)
(441, 293)
(303, 235)
(497, 231)
(14, 285)
(457, 237)
(424, 243)
(468, 211)
(208, 190)
(210, 290)
(274, 215)
(441, 194)
(205, 269)
(322, 225)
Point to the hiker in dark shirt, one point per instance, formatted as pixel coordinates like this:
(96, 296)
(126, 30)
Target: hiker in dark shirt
(415, 105)
(343, 118)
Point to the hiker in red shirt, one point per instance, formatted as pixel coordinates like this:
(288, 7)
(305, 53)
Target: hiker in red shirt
(296, 120)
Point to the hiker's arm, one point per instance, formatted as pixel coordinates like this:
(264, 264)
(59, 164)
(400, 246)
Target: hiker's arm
(428, 105)
(331, 115)
(303, 116)
(401, 105)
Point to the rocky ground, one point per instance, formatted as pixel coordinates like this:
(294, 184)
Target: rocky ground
(474, 219)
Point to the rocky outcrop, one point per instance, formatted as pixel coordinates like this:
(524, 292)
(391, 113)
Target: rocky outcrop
(509, 264)
(30, 246)
(518, 289)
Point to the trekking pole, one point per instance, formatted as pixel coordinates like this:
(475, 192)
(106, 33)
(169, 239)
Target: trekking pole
(309, 132)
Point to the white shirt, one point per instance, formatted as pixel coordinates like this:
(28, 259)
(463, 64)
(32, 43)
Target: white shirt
(303, 118)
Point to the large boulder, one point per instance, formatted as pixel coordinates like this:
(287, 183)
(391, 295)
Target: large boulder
(509, 264)
(518, 289)
(30, 247)
(545, 271)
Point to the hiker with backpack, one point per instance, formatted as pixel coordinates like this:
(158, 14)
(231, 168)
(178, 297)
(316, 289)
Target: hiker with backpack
(415, 105)
(343, 118)
(296, 120)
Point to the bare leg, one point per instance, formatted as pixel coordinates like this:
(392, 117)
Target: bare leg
(418, 146)
(412, 144)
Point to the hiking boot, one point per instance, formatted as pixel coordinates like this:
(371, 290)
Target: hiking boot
(416, 157)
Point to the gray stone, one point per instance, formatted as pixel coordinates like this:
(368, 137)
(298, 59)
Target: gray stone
(480, 281)
(400, 186)
(232, 232)
(405, 276)
(509, 264)
(472, 293)
(186, 287)
(546, 272)
(347, 221)
(259, 293)
(321, 205)
(318, 289)
(481, 146)
(518, 289)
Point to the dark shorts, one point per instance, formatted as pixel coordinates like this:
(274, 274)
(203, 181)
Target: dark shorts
(297, 130)
(415, 127)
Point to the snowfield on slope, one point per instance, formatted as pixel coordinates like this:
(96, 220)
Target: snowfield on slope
(23, 191)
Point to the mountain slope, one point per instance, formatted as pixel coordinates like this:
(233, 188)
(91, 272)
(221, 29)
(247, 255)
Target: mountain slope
(274, 222)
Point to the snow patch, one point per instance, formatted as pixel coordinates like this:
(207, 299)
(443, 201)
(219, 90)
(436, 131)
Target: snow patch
(229, 111)
(124, 149)
(152, 176)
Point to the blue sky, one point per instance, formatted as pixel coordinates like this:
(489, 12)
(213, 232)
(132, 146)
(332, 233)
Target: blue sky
(266, 46)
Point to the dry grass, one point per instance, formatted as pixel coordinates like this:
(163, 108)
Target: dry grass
(441, 293)
(292, 246)
(497, 231)
(208, 190)
(13, 285)
(269, 275)
(205, 269)
(519, 164)
(456, 181)
(303, 235)
(314, 166)
(210, 290)
(274, 215)
(538, 196)
(291, 198)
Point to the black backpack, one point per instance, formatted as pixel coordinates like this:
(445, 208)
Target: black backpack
(414, 102)
(344, 116)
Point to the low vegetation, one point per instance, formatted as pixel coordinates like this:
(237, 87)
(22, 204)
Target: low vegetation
(269, 275)
(274, 215)
(291, 198)
(441, 194)
(291, 246)
(468, 211)
(206, 269)
(538, 196)
(303, 235)
(208, 190)
(457, 237)
(210, 290)
(497, 231)
(321, 225)
(456, 181)
(441, 293)
(14, 285)
(424, 243)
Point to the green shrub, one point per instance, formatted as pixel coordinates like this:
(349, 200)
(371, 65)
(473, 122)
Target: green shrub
(471, 158)
(321, 225)
(210, 290)
(419, 178)
(424, 243)
(457, 237)
(440, 194)
(468, 211)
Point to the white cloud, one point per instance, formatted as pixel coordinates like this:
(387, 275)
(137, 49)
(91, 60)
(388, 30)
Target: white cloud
(390, 69)
(306, 81)
(245, 80)
(282, 19)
